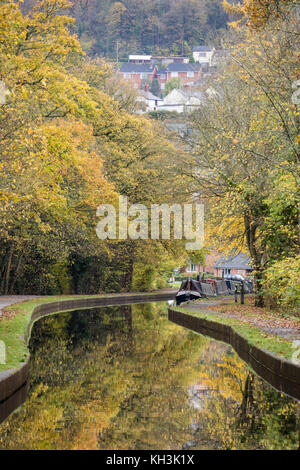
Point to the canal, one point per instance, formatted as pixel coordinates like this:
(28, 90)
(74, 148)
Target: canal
(126, 378)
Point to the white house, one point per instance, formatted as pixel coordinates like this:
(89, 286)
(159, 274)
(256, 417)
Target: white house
(182, 101)
(140, 59)
(149, 101)
(203, 54)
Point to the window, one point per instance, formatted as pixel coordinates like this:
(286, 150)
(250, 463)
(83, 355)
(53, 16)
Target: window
(127, 75)
(202, 54)
(193, 268)
(190, 74)
(163, 76)
(144, 76)
(174, 74)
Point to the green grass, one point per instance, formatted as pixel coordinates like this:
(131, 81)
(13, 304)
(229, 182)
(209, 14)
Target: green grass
(174, 285)
(13, 329)
(278, 346)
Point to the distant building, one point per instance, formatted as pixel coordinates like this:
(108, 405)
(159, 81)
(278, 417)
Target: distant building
(203, 54)
(137, 74)
(140, 59)
(150, 101)
(182, 101)
(167, 60)
(188, 74)
(221, 266)
(197, 268)
(239, 264)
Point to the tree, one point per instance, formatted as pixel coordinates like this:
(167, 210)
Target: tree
(246, 144)
(155, 87)
(171, 85)
(62, 113)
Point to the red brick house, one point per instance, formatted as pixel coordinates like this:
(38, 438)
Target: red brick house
(239, 264)
(221, 266)
(210, 262)
(188, 74)
(138, 74)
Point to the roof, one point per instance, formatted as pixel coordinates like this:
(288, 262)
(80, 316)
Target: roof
(184, 97)
(140, 57)
(178, 67)
(202, 49)
(149, 96)
(137, 68)
(240, 261)
(162, 71)
(170, 57)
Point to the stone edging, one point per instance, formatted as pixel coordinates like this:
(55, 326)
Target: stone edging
(282, 374)
(13, 381)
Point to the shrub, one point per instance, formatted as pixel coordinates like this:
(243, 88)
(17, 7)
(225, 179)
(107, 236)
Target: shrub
(282, 283)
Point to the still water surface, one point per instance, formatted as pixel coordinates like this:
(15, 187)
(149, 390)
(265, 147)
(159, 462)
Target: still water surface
(127, 378)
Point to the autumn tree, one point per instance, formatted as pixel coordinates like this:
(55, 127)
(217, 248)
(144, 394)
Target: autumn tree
(246, 149)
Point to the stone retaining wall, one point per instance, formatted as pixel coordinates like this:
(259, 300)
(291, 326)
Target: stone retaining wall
(280, 373)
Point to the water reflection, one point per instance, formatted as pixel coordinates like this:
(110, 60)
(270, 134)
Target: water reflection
(126, 378)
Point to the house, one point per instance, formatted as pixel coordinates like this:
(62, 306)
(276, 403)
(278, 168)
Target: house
(210, 260)
(162, 77)
(140, 59)
(138, 74)
(166, 60)
(182, 101)
(150, 101)
(239, 264)
(203, 54)
(188, 74)
(221, 266)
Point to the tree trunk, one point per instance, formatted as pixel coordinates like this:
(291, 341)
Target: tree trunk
(7, 273)
(11, 289)
(129, 266)
(251, 228)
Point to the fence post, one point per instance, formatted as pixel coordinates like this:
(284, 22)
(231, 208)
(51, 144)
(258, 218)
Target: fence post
(235, 294)
(242, 293)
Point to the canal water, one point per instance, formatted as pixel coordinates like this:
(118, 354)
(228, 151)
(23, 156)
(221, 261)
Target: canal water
(126, 378)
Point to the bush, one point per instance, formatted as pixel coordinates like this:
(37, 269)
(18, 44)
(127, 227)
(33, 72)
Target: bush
(282, 283)
(144, 278)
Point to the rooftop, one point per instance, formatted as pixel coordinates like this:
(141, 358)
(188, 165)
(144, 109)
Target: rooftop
(240, 261)
(202, 49)
(149, 96)
(140, 57)
(137, 68)
(182, 68)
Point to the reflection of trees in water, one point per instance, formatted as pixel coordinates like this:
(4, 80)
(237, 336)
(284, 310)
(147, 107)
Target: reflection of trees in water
(124, 378)
(242, 411)
(121, 369)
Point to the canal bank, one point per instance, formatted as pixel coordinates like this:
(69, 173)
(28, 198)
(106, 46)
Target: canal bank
(127, 378)
(266, 354)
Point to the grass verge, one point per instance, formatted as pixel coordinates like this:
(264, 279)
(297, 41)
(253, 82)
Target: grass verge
(276, 345)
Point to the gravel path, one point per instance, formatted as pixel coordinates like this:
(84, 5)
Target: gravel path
(6, 300)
